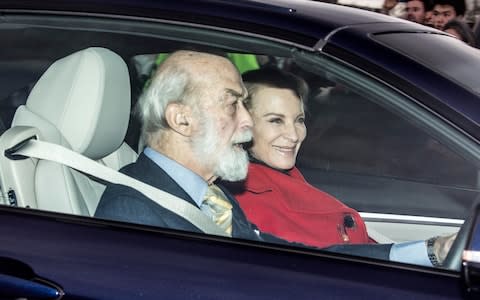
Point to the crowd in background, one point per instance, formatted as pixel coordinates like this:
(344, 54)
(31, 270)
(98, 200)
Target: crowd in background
(457, 17)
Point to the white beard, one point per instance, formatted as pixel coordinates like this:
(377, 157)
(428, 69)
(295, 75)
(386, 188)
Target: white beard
(231, 164)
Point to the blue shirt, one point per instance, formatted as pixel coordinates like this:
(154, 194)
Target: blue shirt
(194, 185)
(414, 252)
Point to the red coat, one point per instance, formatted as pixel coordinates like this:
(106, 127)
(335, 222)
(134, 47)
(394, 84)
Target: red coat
(287, 206)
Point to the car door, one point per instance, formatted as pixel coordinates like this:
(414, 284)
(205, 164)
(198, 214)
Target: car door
(90, 259)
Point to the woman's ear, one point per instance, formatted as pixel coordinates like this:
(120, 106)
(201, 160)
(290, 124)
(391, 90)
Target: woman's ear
(178, 117)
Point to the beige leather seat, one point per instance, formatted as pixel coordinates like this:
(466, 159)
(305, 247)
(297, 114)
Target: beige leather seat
(81, 102)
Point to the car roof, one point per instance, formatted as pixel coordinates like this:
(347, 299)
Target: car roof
(302, 21)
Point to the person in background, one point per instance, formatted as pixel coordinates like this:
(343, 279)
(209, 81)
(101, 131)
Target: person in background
(461, 31)
(446, 10)
(417, 9)
(395, 8)
(275, 196)
(428, 21)
(472, 10)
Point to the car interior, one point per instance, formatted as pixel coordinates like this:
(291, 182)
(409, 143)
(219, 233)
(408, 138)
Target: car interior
(79, 91)
(87, 111)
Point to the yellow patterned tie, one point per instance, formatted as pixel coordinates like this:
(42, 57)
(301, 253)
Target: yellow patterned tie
(216, 205)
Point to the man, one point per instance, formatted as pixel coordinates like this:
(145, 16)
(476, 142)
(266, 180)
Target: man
(446, 10)
(194, 124)
(428, 18)
(186, 152)
(416, 10)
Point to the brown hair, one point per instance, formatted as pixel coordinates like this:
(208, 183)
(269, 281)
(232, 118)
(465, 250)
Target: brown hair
(276, 78)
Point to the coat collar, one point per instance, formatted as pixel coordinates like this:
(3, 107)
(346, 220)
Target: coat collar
(260, 177)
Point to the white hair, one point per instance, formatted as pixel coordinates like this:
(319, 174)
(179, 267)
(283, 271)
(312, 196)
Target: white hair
(170, 84)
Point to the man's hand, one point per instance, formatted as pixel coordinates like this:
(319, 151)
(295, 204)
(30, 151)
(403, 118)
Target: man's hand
(441, 246)
(389, 4)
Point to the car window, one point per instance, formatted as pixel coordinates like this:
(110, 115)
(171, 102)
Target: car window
(384, 155)
(361, 133)
(379, 152)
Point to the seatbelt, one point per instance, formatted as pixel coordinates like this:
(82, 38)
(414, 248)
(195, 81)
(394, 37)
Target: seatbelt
(59, 154)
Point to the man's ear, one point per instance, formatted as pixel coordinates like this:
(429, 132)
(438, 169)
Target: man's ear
(178, 117)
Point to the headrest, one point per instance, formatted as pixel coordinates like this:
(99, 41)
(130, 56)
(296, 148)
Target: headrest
(82, 102)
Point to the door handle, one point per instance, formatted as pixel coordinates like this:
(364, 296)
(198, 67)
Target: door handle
(18, 288)
(19, 281)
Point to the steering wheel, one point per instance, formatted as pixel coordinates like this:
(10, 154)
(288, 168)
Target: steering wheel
(453, 260)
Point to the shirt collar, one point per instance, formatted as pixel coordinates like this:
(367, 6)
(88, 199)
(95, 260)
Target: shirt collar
(194, 185)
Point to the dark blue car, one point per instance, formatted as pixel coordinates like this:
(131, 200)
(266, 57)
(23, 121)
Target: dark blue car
(393, 132)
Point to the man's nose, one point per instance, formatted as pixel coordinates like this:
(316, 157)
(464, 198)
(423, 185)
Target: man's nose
(244, 118)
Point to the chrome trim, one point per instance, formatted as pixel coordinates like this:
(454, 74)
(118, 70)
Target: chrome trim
(392, 218)
(322, 42)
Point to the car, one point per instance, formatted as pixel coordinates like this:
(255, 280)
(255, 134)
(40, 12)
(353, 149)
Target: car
(393, 124)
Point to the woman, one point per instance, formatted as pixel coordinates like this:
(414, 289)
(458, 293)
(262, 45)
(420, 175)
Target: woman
(275, 195)
(461, 31)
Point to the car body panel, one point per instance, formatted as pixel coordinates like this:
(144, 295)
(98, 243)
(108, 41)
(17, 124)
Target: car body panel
(299, 21)
(96, 260)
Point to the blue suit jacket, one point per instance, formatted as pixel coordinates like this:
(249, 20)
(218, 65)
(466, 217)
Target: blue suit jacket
(122, 203)
(126, 204)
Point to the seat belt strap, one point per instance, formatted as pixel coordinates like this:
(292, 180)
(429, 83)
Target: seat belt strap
(59, 154)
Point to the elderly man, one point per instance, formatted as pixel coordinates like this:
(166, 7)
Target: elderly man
(194, 124)
(187, 151)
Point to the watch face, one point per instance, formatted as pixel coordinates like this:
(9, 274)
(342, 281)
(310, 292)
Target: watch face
(431, 253)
